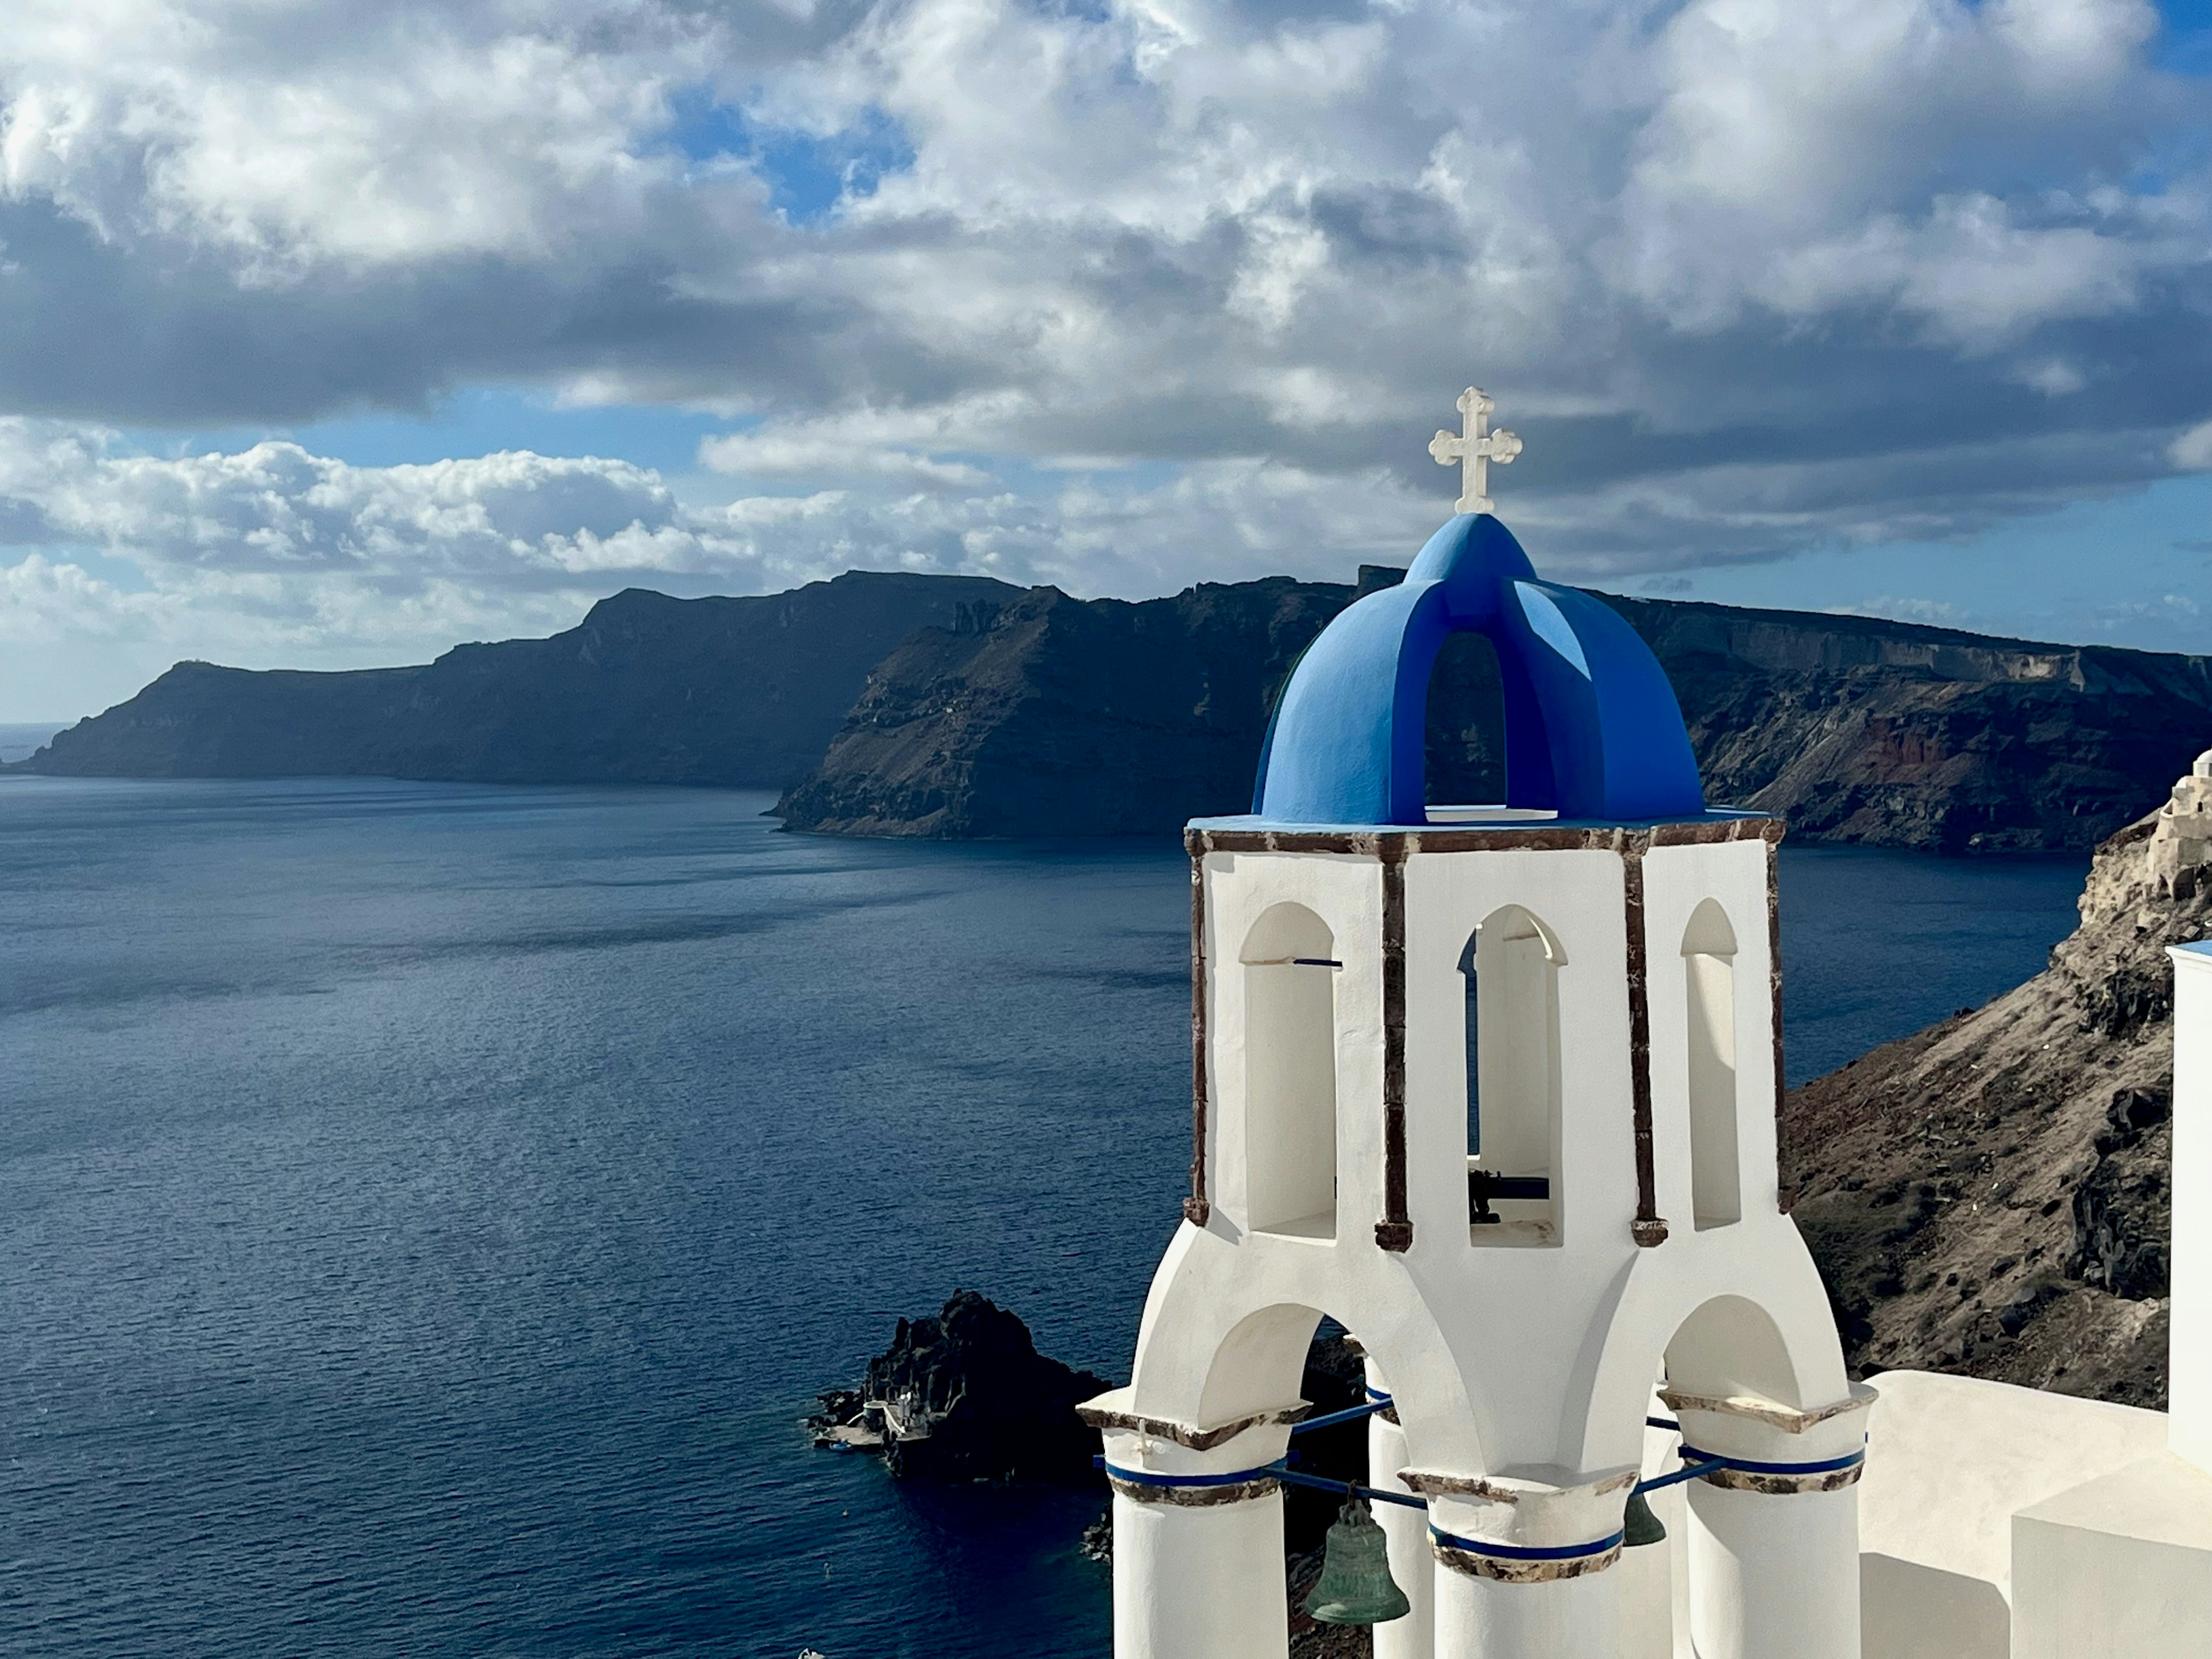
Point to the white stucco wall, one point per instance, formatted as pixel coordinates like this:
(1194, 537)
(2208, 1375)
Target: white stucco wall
(1949, 1460)
(2190, 1358)
(2118, 1568)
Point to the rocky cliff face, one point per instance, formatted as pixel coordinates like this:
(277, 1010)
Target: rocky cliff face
(1066, 717)
(992, 711)
(1992, 1196)
(1063, 716)
(647, 689)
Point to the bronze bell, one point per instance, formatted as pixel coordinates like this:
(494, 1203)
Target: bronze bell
(1639, 1525)
(1355, 1586)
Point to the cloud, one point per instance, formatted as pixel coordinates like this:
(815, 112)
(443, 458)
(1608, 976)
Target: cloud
(1937, 613)
(1115, 295)
(2193, 450)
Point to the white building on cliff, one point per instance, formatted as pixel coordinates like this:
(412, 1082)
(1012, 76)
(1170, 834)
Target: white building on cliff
(1495, 1087)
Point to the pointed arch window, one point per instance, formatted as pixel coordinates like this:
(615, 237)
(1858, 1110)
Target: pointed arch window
(1708, 1001)
(1290, 1074)
(1511, 967)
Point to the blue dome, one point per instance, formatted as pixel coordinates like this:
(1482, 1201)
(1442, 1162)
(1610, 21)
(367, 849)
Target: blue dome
(1592, 728)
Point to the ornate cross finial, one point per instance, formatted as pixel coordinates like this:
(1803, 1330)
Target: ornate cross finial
(1474, 450)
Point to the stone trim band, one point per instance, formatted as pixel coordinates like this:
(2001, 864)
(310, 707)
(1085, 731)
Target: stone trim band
(1512, 1563)
(1395, 1231)
(1648, 1228)
(1198, 1209)
(1780, 1480)
(1190, 1490)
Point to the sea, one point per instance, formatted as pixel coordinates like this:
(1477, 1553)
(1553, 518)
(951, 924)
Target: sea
(427, 1210)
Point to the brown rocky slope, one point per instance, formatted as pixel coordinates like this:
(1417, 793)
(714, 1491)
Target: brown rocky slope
(1990, 1196)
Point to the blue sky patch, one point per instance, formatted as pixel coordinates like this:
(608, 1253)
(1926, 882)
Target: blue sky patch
(2186, 45)
(807, 174)
(476, 421)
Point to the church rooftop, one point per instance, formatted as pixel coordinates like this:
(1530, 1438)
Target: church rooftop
(1593, 733)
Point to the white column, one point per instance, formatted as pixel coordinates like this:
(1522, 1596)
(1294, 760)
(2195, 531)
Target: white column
(1412, 1562)
(1525, 1571)
(1197, 1551)
(1479, 1617)
(1199, 1580)
(1774, 1553)
(1768, 1575)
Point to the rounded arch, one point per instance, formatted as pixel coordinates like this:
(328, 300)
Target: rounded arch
(1225, 1337)
(1259, 1361)
(1727, 1314)
(1284, 932)
(1730, 1346)
(1509, 922)
(1709, 932)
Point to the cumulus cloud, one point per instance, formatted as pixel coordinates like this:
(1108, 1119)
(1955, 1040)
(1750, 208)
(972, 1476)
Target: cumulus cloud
(2192, 451)
(1115, 295)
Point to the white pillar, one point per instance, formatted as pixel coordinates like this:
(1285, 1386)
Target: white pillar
(1199, 1580)
(1479, 1617)
(1774, 1549)
(1774, 1577)
(1198, 1536)
(1412, 1562)
(1525, 1570)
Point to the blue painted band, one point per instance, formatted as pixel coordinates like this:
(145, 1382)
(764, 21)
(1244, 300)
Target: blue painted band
(1147, 1478)
(1350, 1414)
(1380, 1398)
(1828, 1466)
(1519, 1553)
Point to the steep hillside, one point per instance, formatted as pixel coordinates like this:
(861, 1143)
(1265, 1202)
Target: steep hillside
(646, 689)
(1992, 1196)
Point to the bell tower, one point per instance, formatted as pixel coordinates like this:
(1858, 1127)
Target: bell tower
(1494, 1087)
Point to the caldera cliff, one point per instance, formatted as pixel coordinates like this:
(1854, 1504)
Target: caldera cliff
(890, 704)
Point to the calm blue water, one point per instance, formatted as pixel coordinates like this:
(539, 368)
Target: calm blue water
(424, 1211)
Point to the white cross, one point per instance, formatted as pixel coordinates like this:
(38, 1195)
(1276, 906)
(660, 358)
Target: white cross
(1475, 450)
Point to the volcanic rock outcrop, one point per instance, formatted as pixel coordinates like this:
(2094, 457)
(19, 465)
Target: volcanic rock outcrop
(1992, 1195)
(966, 1396)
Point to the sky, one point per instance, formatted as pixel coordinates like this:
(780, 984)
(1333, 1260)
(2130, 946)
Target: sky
(335, 335)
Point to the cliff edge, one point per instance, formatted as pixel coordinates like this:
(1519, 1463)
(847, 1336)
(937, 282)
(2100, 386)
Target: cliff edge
(646, 689)
(1991, 1196)
(1063, 716)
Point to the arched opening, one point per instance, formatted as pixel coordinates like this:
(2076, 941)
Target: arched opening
(1727, 1348)
(1512, 1013)
(1290, 1074)
(1709, 1003)
(1464, 740)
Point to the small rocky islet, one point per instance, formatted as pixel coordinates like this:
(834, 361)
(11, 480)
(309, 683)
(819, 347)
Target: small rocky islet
(963, 1395)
